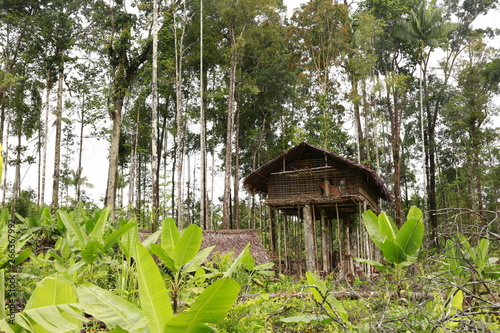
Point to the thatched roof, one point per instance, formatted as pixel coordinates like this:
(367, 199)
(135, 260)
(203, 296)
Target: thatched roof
(226, 241)
(256, 182)
(234, 241)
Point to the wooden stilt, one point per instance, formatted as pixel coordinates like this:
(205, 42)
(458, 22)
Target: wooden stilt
(339, 239)
(285, 244)
(309, 239)
(272, 237)
(324, 243)
(298, 234)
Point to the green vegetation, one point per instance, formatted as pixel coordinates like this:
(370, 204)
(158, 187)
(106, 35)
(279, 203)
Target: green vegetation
(237, 83)
(399, 246)
(109, 281)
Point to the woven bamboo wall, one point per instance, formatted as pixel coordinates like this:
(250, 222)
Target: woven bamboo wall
(302, 179)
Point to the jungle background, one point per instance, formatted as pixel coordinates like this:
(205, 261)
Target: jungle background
(172, 103)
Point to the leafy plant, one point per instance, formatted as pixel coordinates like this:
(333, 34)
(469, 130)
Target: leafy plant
(56, 306)
(49, 309)
(399, 246)
(246, 261)
(44, 223)
(462, 257)
(181, 255)
(332, 309)
(89, 238)
(12, 247)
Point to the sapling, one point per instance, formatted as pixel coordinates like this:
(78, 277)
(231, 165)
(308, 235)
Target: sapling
(399, 246)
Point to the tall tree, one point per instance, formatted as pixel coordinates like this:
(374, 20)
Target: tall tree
(237, 18)
(427, 29)
(321, 32)
(203, 134)
(126, 52)
(181, 20)
(397, 82)
(469, 111)
(361, 66)
(154, 121)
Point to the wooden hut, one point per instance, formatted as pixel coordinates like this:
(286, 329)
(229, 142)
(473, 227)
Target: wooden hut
(313, 185)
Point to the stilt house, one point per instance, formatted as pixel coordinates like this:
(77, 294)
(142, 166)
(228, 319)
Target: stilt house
(311, 185)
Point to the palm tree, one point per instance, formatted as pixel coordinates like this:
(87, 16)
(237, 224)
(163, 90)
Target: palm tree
(75, 179)
(426, 29)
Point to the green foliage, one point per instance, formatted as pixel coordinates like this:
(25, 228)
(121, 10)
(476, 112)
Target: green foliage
(465, 260)
(49, 309)
(111, 309)
(91, 238)
(152, 291)
(2, 294)
(12, 246)
(331, 308)
(181, 255)
(399, 246)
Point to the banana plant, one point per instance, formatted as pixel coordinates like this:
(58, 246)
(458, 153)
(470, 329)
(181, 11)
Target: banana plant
(246, 260)
(55, 306)
(461, 256)
(399, 246)
(12, 247)
(51, 308)
(155, 313)
(43, 223)
(91, 239)
(180, 253)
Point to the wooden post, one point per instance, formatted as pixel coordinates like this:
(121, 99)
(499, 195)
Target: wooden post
(279, 249)
(309, 239)
(325, 249)
(272, 234)
(285, 244)
(298, 237)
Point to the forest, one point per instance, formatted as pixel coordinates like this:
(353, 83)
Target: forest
(184, 99)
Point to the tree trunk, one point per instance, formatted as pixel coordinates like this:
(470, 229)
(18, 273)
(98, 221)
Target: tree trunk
(226, 210)
(203, 134)
(17, 177)
(133, 161)
(80, 153)
(236, 205)
(367, 156)
(179, 52)
(57, 149)
(395, 112)
(45, 135)
(357, 118)
(138, 199)
(5, 157)
(154, 123)
(116, 117)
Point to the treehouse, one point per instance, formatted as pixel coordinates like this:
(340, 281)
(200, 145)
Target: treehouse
(312, 189)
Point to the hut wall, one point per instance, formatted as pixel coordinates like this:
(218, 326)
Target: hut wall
(303, 183)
